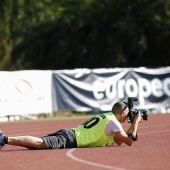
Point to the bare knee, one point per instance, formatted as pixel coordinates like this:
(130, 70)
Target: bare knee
(39, 143)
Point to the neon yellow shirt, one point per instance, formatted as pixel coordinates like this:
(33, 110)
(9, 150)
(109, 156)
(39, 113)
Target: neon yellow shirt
(91, 133)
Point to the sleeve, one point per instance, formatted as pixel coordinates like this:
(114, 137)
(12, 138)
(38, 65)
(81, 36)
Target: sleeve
(113, 126)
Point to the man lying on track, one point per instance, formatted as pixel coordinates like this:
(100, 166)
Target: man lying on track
(97, 131)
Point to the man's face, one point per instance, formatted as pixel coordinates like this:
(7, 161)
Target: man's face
(124, 114)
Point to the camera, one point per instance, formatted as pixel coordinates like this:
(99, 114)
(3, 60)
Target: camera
(132, 113)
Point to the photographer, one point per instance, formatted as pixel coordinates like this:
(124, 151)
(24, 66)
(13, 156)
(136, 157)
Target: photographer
(97, 131)
(130, 135)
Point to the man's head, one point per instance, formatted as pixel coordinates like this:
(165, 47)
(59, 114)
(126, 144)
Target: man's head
(120, 110)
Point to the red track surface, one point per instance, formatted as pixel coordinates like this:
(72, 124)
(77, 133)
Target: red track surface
(150, 152)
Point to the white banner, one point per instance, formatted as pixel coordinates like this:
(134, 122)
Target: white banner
(25, 92)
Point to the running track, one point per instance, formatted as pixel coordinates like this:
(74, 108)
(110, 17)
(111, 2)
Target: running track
(150, 152)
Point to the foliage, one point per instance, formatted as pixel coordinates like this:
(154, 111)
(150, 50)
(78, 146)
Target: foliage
(64, 34)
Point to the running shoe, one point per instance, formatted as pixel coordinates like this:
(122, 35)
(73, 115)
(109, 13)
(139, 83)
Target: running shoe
(1, 139)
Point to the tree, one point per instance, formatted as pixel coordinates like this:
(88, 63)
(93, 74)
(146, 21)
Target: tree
(68, 34)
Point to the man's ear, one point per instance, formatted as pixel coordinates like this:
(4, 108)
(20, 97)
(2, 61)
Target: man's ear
(123, 113)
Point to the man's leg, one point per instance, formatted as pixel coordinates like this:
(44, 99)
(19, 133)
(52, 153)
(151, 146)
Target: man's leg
(27, 141)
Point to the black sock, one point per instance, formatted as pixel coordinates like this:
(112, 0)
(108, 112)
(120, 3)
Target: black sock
(6, 139)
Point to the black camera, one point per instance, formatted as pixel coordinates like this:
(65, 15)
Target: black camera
(132, 113)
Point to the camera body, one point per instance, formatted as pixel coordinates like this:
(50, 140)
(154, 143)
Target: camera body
(132, 113)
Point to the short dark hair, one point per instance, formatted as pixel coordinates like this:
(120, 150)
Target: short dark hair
(118, 107)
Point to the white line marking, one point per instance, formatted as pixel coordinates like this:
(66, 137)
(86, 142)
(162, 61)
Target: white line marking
(154, 132)
(70, 155)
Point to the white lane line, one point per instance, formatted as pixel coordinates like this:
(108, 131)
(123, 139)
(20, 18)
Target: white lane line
(154, 132)
(48, 131)
(31, 133)
(70, 155)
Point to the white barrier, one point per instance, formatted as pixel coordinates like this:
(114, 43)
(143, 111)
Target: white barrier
(28, 93)
(25, 93)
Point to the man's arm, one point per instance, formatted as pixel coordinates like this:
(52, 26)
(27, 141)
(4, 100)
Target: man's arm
(122, 136)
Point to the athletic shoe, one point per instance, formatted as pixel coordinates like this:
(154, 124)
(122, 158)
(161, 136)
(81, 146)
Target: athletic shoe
(1, 139)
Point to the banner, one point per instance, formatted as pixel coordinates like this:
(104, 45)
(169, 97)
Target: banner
(89, 90)
(25, 92)
(98, 89)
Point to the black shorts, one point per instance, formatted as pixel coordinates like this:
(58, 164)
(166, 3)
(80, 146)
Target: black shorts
(64, 138)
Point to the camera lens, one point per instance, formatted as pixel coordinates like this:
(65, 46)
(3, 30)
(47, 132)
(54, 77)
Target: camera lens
(144, 115)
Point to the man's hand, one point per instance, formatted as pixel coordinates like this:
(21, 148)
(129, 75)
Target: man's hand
(138, 118)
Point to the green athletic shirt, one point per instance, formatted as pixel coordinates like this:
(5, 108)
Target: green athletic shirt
(91, 133)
